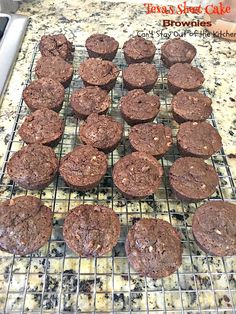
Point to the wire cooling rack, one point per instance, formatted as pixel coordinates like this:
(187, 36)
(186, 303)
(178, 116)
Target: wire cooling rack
(55, 280)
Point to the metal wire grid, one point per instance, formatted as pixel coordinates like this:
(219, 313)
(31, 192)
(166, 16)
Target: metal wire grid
(54, 280)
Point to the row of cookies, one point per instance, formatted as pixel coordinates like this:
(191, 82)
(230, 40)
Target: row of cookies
(153, 247)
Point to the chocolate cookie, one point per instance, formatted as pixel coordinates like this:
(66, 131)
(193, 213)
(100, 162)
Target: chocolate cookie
(214, 225)
(91, 99)
(25, 225)
(138, 49)
(102, 132)
(55, 68)
(151, 138)
(137, 175)
(98, 72)
(83, 168)
(191, 106)
(198, 139)
(138, 107)
(140, 75)
(33, 167)
(184, 76)
(44, 93)
(177, 51)
(153, 248)
(43, 126)
(101, 46)
(56, 45)
(192, 180)
(91, 230)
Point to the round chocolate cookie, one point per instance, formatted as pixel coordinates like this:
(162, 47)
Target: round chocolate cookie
(138, 107)
(198, 139)
(153, 248)
(55, 68)
(192, 180)
(91, 99)
(43, 126)
(98, 72)
(56, 45)
(151, 138)
(177, 51)
(44, 93)
(214, 226)
(102, 132)
(137, 175)
(33, 167)
(138, 49)
(184, 76)
(25, 225)
(101, 46)
(191, 106)
(91, 230)
(83, 168)
(140, 75)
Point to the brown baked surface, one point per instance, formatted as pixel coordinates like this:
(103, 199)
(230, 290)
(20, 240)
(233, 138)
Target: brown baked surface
(102, 132)
(33, 167)
(56, 45)
(198, 139)
(101, 46)
(184, 76)
(138, 49)
(214, 226)
(177, 51)
(191, 106)
(91, 230)
(98, 72)
(137, 175)
(140, 75)
(43, 126)
(151, 138)
(55, 68)
(25, 225)
(83, 168)
(138, 107)
(90, 99)
(44, 93)
(192, 180)
(153, 248)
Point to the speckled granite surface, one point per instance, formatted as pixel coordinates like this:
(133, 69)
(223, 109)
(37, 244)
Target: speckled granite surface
(56, 284)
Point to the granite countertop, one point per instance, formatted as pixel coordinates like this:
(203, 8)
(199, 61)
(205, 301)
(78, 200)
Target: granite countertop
(216, 59)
